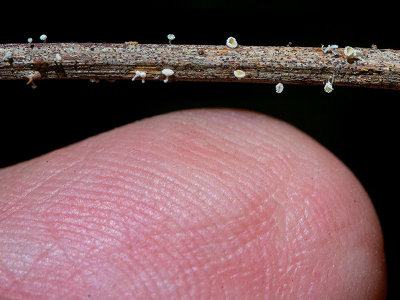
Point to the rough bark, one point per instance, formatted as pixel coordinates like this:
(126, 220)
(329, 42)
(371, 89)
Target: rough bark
(380, 68)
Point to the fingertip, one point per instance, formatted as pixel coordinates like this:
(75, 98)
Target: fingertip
(192, 201)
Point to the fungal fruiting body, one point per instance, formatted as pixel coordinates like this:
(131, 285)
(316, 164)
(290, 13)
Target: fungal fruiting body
(231, 42)
(167, 73)
(329, 48)
(30, 40)
(352, 54)
(7, 56)
(43, 38)
(279, 88)
(139, 74)
(170, 37)
(239, 74)
(328, 87)
(31, 77)
(57, 58)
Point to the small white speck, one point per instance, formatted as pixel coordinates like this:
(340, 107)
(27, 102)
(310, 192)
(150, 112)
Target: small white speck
(279, 88)
(239, 74)
(43, 38)
(30, 40)
(170, 37)
(231, 42)
(58, 57)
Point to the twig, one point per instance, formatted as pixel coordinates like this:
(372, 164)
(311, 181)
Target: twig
(379, 68)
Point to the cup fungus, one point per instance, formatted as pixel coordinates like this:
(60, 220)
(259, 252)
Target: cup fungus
(231, 42)
(43, 38)
(239, 74)
(352, 54)
(279, 88)
(328, 87)
(167, 73)
(170, 37)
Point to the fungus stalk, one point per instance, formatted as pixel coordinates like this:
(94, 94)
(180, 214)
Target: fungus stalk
(367, 67)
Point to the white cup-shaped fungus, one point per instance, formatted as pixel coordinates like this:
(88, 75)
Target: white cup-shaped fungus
(239, 74)
(167, 73)
(348, 51)
(279, 88)
(43, 38)
(352, 54)
(231, 42)
(328, 88)
(170, 37)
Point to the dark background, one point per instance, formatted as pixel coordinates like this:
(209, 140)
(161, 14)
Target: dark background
(358, 125)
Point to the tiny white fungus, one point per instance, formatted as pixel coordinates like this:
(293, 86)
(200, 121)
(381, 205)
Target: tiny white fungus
(231, 42)
(167, 73)
(30, 40)
(7, 56)
(328, 87)
(43, 38)
(31, 77)
(329, 48)
(353, 54)
(170, 37)
(58, 57)
(348, 51)
(239, 74)
(139, 74)
(279, 88)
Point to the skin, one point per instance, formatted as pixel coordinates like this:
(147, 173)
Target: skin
(201, 204)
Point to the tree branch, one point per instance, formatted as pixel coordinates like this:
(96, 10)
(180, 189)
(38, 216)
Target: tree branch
(379, 68)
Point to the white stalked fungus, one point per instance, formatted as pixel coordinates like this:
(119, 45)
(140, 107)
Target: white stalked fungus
(231, 42)
(167, 73)
(139, 74)
(43, 38)
(170, 37)
(328, 87)
(239, 74)
(279, 88)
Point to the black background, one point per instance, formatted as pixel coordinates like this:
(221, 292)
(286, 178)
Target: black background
(358, 125)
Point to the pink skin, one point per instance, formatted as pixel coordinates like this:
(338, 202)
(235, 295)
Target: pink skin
(196, 204)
